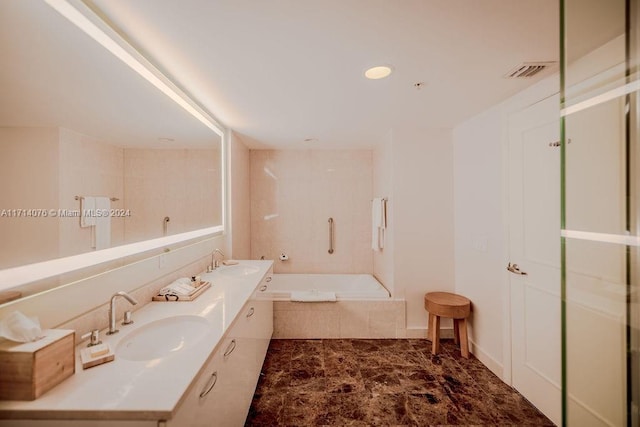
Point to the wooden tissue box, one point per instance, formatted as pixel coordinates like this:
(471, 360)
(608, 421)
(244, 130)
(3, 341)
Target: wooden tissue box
(28, 370)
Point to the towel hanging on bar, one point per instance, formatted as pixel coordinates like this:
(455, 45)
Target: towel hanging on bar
(378, 222)
(87, 209)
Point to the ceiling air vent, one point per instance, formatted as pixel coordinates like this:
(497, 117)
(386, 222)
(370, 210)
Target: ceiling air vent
(527, 69)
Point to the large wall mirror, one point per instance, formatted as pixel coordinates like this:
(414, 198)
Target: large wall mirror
(92, 156)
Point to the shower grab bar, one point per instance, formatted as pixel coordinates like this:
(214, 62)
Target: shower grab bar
(330, 235)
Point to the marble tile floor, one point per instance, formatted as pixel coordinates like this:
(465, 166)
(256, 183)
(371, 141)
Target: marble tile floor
(381, 382)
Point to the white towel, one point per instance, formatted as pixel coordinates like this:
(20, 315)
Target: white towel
(87, 210)
(102, 229)
(378, 222)
(313, 296)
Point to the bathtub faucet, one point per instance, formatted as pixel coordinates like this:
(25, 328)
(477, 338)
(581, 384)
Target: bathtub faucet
(215, 262)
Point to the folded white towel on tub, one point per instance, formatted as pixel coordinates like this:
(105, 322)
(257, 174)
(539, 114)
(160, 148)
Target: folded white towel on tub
(313, 296)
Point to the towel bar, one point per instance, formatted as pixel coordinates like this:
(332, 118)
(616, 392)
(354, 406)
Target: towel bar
(113, 199)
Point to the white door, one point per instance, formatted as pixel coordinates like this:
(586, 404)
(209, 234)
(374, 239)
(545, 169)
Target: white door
(534, 246)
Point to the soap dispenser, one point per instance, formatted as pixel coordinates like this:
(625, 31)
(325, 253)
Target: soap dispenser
(95, 337)
(96, 353)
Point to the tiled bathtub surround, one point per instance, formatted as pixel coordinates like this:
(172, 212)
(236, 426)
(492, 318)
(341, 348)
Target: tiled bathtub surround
(342, 319)
(295, 192)
(381, 382)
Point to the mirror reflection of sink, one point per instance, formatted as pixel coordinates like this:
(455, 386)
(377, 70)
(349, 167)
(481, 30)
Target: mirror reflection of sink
(162, 337)
(238, 270)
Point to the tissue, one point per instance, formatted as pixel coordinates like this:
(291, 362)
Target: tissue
(18, 327)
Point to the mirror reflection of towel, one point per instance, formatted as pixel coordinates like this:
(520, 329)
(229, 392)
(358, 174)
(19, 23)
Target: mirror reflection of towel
(87, 209)
(102, 228)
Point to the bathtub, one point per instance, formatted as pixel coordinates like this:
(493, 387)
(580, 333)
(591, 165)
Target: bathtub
(363, 307)
(345, 286)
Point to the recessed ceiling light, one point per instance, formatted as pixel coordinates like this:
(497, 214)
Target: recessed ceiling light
(379, 72)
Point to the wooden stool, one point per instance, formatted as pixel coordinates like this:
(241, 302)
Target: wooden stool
(456, 307)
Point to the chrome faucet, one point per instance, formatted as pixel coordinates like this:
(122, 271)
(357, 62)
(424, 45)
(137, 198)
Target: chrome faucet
(112, 310)
(215, 263)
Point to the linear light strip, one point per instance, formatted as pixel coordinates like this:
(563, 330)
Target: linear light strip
(12, 277)
(601, 237)
(602, 98)
(121, 49)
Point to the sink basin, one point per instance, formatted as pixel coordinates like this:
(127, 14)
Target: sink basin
(238, 270)
(162, 337)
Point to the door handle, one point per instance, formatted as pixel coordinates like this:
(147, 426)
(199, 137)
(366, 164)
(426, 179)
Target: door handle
(513, 268)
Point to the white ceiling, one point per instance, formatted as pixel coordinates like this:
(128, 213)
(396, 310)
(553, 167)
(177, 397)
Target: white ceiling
(281, 71)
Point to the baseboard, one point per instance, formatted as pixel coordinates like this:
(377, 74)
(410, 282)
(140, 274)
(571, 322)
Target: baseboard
(418, 332)
(488, 361)
(447, 333)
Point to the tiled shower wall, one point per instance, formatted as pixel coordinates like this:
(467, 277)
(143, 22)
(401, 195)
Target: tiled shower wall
(294, 193)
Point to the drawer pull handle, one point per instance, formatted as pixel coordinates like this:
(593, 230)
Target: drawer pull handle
(232, 346)
(213, 379)
(263, 288)
(251, 311)
(268, 279)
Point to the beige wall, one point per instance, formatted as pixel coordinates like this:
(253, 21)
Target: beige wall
(295, 192)
(414, 169)
(422, 218)
(88, 167)
(46, 169)
(240, 187)
(383, 260)
(177, 183)
(481, 223)
(30, 177)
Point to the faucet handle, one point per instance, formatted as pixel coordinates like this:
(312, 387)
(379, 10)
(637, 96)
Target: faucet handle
(127, 318)
(95, 337)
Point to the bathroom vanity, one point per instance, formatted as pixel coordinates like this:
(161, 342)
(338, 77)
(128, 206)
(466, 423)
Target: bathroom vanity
(203, 375)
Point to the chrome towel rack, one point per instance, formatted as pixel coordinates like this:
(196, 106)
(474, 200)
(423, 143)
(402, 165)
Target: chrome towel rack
(113, 199)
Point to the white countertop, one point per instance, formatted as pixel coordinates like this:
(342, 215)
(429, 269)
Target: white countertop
(152, 389)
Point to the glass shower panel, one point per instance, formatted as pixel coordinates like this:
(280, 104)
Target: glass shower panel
(600, 233)
(594, 168)
(595, 333)
(594, 48)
